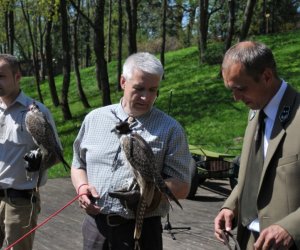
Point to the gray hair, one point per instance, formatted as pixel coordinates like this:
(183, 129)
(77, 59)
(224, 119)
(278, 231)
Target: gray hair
(143, 61)
(12, 61)
(254, 56)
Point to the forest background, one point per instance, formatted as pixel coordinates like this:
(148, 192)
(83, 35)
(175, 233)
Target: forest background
(71, 53)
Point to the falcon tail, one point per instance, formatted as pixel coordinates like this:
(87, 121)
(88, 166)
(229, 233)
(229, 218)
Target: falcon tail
(170, 196)
(139, 218)
(62, 159)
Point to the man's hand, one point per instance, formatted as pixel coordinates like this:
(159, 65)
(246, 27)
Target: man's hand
(274, 237)
(223, 221)
(88, 199)
(33, 159)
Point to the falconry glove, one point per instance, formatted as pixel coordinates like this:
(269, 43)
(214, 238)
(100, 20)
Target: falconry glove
(130, 198)
(33, 160)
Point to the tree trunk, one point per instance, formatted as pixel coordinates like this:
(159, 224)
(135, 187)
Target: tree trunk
(66, 60)
(87, 39)
(203, 6)
(120, 40)
(49, 63)
(108, 52)
(131, 9)
(190, 25)
(101, 65)
(263, 22)
(231, 17)
(247, 19)
(163, 31)
(11, 31)
(42, 54)
(34, 54)
(81, 94)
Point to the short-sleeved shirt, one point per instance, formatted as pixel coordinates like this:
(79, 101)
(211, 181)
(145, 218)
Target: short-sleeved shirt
(15, 142)
(97, 150)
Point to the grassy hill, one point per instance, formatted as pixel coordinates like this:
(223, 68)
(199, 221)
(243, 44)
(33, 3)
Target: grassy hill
(199, 101)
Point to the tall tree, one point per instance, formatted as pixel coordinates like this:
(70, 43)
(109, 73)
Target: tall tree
(108, 51)
(120, 40)
(25, 9)
(204, 7)
(163, 31)
(101, 64)
(10, 26)
(66, 60)
(131, 9)
(49, 57)
(231, 18)
(191, 13)
(203, 26)
(80, 91)
(42, 31)
(247, 19)
(99, 43)
(87, 40)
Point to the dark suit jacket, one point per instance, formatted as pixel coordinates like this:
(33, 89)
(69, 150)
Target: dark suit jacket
(278, 200)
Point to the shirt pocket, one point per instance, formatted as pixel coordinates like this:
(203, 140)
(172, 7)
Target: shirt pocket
(289, 171)
(288, 160)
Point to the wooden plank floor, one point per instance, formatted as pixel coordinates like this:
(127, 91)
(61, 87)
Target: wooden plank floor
(63, 232)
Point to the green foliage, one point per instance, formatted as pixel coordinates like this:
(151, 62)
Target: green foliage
(193, 94)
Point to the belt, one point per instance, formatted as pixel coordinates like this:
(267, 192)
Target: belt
(15, 193)
(113, 220)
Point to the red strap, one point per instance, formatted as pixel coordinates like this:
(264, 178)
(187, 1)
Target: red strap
(81, 186)
(44, 222)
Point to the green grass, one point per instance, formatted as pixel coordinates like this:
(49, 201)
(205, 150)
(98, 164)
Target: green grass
(199, 100)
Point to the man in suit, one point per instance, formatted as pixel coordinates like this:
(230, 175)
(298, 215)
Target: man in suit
(265, 204)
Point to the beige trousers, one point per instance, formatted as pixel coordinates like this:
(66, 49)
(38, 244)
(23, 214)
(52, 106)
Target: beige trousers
(17, 217)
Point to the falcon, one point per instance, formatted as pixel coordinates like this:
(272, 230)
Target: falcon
(44, 137)
(141, 160)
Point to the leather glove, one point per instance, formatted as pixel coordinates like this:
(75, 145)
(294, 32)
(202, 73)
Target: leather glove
(130, 198)
(33, 159)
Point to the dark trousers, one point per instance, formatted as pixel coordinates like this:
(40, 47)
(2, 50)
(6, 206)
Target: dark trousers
(97, 234)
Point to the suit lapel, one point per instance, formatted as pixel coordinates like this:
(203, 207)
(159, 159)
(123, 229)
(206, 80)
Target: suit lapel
(249, 135)
(282, 118)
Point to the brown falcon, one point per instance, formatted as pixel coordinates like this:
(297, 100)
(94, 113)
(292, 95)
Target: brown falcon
(44, 137)
(141, 159)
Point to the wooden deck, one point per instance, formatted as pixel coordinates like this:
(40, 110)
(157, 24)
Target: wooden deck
(63, 232)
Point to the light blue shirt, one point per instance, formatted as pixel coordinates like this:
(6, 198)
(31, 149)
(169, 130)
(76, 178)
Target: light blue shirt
(271, 111)
(15, 142)
(97, 150)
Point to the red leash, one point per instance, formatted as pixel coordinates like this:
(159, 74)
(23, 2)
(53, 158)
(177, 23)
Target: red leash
(44, 222)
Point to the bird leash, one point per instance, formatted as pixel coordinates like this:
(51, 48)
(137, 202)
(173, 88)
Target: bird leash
(226, 235)
(44, 222)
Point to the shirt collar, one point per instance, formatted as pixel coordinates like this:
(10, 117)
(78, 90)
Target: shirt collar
(272, 107)
(21, 98)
